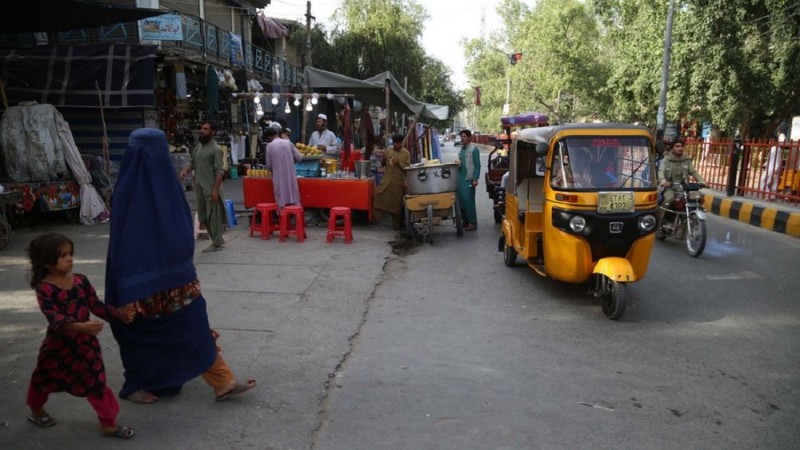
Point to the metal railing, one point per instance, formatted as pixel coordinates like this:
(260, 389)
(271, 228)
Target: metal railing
(760, 169)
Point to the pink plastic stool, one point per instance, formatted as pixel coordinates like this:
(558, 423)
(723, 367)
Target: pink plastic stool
(345, 231)
(267, 225)
(299, 228)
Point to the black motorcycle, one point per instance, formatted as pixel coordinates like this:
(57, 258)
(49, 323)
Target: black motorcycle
(685, 219)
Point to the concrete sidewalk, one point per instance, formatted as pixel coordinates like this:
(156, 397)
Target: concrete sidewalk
(286, 312)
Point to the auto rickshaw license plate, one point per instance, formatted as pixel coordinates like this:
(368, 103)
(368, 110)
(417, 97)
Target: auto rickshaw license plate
(614, 202)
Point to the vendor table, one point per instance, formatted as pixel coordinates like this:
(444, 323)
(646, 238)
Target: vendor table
(354, 193)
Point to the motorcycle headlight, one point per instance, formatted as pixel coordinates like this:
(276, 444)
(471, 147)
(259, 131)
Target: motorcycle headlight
(647, 223)
(577, 224)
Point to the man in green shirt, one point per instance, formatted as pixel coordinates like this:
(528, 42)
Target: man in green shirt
(208, 170)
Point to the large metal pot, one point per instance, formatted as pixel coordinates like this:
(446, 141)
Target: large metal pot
(432, 179)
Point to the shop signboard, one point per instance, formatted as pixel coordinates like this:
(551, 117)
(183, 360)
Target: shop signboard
(237, 52)
(166, 27)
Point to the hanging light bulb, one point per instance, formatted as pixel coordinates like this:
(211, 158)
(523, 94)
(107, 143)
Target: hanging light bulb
(329, 96)
(308, 105)
(314, 98)
(257, 99)
(297, 98)
(287, 110)
(275, 96)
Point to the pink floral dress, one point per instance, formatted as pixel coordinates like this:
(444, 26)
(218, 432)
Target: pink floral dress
(70, 361)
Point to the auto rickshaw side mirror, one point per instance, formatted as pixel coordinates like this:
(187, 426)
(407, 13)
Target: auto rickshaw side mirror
(541, 148)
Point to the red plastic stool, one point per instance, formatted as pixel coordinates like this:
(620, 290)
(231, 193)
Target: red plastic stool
(267, 225)
(299, 228)
(346, 231)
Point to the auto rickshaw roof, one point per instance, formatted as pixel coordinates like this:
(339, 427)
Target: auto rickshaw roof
(526, 118)
(544, 134)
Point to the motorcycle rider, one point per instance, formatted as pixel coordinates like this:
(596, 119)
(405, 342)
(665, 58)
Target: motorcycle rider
(674, 168)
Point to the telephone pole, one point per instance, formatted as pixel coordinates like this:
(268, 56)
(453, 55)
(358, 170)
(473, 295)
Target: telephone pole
(662, 98)
(306, 62)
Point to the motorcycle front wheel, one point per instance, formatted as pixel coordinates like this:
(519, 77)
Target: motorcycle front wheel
(695, 235)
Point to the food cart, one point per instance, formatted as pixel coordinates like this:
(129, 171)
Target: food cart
(431, 195)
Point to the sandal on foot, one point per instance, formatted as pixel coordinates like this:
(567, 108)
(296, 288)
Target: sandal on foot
(120, 432)
(45, 421)
(237, 389)
(142, 397)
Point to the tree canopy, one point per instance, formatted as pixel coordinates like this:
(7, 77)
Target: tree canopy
(734, 62)
(373, 36)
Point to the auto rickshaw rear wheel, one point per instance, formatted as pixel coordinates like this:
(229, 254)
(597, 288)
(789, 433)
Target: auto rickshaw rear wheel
(509, 255)
(614, 298)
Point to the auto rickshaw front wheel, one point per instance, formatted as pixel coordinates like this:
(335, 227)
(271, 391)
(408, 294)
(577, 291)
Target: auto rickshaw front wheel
(613, 297)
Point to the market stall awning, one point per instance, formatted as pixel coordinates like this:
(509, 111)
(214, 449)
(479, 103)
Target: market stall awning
(372, 91)
(31, 16)
(70, 75)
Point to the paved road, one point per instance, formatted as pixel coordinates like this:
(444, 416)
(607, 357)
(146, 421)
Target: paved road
(437, 347)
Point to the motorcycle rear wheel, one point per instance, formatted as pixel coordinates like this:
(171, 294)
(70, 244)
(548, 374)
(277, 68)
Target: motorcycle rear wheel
(696, 239)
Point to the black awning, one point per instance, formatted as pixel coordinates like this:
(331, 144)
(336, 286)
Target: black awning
(31, 16)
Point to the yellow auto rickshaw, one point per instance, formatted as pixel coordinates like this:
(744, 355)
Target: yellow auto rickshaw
(581, 206)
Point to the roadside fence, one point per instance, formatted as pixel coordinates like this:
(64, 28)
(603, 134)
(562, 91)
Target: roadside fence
(762, 169)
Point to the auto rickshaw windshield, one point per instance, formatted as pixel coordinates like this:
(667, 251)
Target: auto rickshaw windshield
(603, 162)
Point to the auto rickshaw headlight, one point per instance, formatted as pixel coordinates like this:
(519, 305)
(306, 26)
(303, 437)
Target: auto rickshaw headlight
(647, 223)
(577, 224)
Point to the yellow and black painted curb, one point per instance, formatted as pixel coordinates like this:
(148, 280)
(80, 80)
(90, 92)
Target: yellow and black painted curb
(773, 219)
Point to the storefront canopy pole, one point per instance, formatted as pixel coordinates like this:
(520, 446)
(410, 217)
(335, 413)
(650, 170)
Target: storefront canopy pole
(387, 130)
(106, 155)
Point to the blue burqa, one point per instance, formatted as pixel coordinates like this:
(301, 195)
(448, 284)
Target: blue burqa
(151, 250)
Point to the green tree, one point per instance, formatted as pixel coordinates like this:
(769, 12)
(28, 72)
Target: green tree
(632, 46)
(737, 63)
(373, 36)
(562, 72)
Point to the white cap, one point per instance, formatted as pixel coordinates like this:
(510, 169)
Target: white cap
(323, 117)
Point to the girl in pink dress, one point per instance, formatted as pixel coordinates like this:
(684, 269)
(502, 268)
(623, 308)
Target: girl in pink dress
(70, 359)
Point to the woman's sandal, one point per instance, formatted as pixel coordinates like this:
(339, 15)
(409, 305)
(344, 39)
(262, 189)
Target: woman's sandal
(44, 421)
(120, 432)
(142, 397)
(237, 389)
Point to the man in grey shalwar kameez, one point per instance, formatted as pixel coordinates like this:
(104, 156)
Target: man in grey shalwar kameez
(281, 156)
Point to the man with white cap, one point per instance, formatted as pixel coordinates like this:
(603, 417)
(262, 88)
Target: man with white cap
(323, 138)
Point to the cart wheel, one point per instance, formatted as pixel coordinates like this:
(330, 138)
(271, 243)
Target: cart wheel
(409, 225)
(457, 219)
(430, 224)
(5, 232)
(614, 299)
(74, 216)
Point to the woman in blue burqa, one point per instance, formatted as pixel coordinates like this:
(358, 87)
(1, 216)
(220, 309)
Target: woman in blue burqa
(150, 269)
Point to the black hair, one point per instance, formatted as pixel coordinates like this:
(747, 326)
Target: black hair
(270, 131)
(465, 131)
(211, 123)
(44, 251)
(677, 140)
(397, 137)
